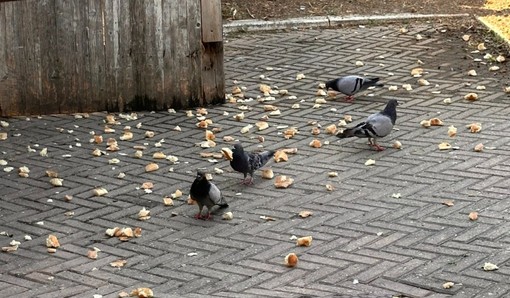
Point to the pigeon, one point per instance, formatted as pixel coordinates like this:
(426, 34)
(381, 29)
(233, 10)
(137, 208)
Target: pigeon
(247, 163)
(350, 85)
(207, 194)
(377, 125)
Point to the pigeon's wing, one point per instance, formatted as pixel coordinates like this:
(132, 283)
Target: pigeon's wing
(240, 163)
(378, 125)
(349, 85)
(258, 160)
(215, 195)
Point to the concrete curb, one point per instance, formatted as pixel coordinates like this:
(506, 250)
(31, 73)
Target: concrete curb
(325, 21)
(494, 29)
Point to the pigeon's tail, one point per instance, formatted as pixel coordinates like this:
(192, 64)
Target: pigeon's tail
(266, 156)
(347, 133)
(368, 82)
(222, 203)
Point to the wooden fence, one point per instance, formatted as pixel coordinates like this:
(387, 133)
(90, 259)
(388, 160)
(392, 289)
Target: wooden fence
(64, 56)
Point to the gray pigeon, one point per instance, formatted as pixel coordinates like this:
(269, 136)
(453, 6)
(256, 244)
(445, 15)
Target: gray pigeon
(207, 194)
(350, 85)
(377, 125)
(247, 163)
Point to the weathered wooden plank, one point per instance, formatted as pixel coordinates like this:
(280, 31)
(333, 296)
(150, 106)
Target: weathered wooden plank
(47, 56)
(213, 76)
(193, 17)
(9, 94)
(212, 23)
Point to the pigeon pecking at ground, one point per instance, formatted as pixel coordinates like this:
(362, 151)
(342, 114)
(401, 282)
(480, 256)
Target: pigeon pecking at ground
(248, 162)
(377, 125)
(207, 194)
(350, 85)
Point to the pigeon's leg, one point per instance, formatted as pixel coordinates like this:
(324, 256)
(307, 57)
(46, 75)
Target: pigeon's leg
(248, 180)
(199, 214)
(208, 216)
(349, 98)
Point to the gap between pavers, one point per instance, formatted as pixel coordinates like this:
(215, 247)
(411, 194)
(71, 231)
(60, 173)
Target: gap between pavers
(326, 21)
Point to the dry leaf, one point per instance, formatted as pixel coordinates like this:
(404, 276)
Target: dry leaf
(147, 185)
(10, 248)
(100, 191)
(267, 174)
(291, 260)
(448, 285)
(246, 129)
(142, 293)
(300, 76)
(52, 241)
(123, 294)
(304, 241)
(305, 213)
(280, 155)
(473, 215)
(68, 198)
(128, 135)
(190, 201)
(479, 147)
(397, 145)
(151, 167)
(283, 181)
(177, 194)
(448, 203)
(118, 263)
(98, 139)
(423, 82)
(126, 232)
(333, 174)
(290, 132)
(209, 135)
(466, 37)
(472, 73)
(52, 250)
(264, 88)
(290, 150)
(444, 146)
(112, 232)
(316, 131)
(481, 47)
(137, 232)
(329, 187)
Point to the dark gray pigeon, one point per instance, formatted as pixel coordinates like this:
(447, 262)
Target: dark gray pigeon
(207, 194)
(377, 125)
(248, 162)
(350, 85)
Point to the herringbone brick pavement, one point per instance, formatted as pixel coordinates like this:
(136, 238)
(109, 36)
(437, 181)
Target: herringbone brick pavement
(367, 241)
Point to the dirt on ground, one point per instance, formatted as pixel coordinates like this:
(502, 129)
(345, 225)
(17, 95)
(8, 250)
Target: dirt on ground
(282, 9)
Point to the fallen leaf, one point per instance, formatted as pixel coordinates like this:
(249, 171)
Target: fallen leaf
(452, 131)
(177, 194)
(333, 174)
(267, 218)
(474, 127)
(300, 76)
(315, 143)
(436, 122)
(329, 187)
(416, 71)
(397, 145)
(168, 201)
(472, 73)
(423, 82)
(262, 125)
(466, 37)
(425, 123)
(158, 155)
(396, 195)
(10, 248)
(473, 215)
(448, 285)
(144, 214)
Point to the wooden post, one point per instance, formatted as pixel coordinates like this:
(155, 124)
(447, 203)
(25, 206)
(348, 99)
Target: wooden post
(65, 56)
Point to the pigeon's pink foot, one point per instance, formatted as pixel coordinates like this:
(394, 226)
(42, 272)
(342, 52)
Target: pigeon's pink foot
(378, 147)
(349, 98)
(198, 216)
(248, 181)
(207, 217)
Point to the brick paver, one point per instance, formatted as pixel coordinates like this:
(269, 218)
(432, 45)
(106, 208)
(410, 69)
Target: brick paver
(366, 241)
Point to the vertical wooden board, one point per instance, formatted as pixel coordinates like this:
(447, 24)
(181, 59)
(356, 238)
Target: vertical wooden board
(194, 53)
(171, 13)
(212, 22)
(92, 53)
(137, 17)
(158, 67)
(46, 40)
(213, 76)
(149, 71)
(9, 94)
(182, 68)
(66, 63)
